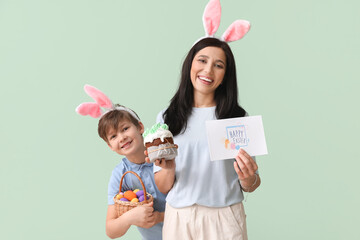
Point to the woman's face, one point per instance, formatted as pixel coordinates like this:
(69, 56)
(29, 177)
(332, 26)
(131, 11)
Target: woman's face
(208, 70)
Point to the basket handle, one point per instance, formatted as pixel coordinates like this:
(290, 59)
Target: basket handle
(142, 184)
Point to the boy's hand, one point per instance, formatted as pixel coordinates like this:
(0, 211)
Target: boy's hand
(142, 216)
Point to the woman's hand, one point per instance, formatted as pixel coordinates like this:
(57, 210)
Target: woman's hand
(164, 164)
(246, 168)
(165, 178)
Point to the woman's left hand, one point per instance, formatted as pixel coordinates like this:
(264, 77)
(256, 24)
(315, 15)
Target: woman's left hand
(246, 168)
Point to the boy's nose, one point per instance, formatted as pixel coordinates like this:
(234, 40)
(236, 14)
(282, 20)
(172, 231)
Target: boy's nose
(122, 138)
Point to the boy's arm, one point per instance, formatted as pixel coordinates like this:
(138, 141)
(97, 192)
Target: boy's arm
(115, 226)
(142, 216)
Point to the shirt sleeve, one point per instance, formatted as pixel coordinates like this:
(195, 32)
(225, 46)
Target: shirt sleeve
(159, 118)
(114, 183)
(156, 168)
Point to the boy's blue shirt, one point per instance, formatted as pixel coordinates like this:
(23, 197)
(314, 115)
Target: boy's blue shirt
(131, 182)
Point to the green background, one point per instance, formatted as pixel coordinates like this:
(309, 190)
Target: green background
(298, 67)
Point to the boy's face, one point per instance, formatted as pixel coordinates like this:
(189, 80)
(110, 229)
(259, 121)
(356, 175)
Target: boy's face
(127, 140)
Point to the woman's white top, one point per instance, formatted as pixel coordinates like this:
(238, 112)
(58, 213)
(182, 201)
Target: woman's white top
(198, 179)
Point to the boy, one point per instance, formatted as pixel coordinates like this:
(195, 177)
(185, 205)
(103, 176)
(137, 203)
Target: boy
(121, 129)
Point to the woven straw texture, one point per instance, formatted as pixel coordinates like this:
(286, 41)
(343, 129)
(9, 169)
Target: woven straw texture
(122, 206)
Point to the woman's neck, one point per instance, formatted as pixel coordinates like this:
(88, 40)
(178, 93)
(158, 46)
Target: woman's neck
(202, 101)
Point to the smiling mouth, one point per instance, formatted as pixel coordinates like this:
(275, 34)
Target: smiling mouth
(203, 78)
(126, 145)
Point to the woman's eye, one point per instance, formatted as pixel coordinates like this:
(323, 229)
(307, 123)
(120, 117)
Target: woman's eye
(202, 60)
(219, 66)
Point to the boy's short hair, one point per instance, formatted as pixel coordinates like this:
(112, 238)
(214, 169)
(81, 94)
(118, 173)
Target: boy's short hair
(112, 119)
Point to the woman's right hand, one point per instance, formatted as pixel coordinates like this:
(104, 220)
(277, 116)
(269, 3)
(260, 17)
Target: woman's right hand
(164, 164)
(165, 178)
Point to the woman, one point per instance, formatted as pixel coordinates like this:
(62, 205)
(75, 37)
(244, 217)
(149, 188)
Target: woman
(204, 197)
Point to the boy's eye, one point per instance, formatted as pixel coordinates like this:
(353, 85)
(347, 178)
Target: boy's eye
(112, 137)
(125, 128)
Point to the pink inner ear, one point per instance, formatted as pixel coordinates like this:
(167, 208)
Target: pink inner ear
(98, 96)
(211, 17)
(89, 108)
(236, 30)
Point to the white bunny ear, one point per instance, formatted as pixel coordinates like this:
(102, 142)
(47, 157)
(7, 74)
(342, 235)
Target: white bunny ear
(98, 96)
(236, 31)
(211, 17)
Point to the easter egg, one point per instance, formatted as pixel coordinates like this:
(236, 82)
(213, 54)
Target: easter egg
(119, 196)
(129, 195)
(124, 199)
(136, 190)
(134, 200)
(141, 198)
(139, 193)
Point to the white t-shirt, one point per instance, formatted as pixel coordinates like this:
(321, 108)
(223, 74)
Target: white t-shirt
(198, 179)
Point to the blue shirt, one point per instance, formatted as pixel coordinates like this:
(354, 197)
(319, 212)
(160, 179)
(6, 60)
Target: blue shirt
(131, 182)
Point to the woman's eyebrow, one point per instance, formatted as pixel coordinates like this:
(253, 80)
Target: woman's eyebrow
(205, 56)
(220, 61)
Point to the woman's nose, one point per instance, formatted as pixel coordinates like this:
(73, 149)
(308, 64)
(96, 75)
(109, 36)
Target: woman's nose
(208, 68)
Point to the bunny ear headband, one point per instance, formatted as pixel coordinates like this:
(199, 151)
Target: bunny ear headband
(101, 101)
(211, 21)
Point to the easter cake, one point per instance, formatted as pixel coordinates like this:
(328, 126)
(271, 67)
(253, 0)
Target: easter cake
(159, 143)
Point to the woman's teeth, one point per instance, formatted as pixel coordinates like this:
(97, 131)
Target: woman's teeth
(205, 79)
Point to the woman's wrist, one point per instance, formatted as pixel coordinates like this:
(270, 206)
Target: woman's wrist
(248, 185)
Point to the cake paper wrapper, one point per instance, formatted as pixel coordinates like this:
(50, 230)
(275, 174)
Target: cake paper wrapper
(167, 151)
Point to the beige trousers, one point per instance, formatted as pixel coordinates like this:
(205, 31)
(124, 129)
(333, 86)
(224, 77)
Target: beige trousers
(198, 222)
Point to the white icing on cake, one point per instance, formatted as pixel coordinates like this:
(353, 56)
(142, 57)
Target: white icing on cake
(160, 133)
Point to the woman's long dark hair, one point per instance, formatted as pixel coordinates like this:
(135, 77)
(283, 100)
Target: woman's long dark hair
(226, 95)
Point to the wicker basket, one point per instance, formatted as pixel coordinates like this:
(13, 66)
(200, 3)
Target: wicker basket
(122, 206)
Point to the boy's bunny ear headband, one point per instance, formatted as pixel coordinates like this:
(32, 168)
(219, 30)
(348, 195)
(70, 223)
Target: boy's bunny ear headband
(101, 101)
(211, 21)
